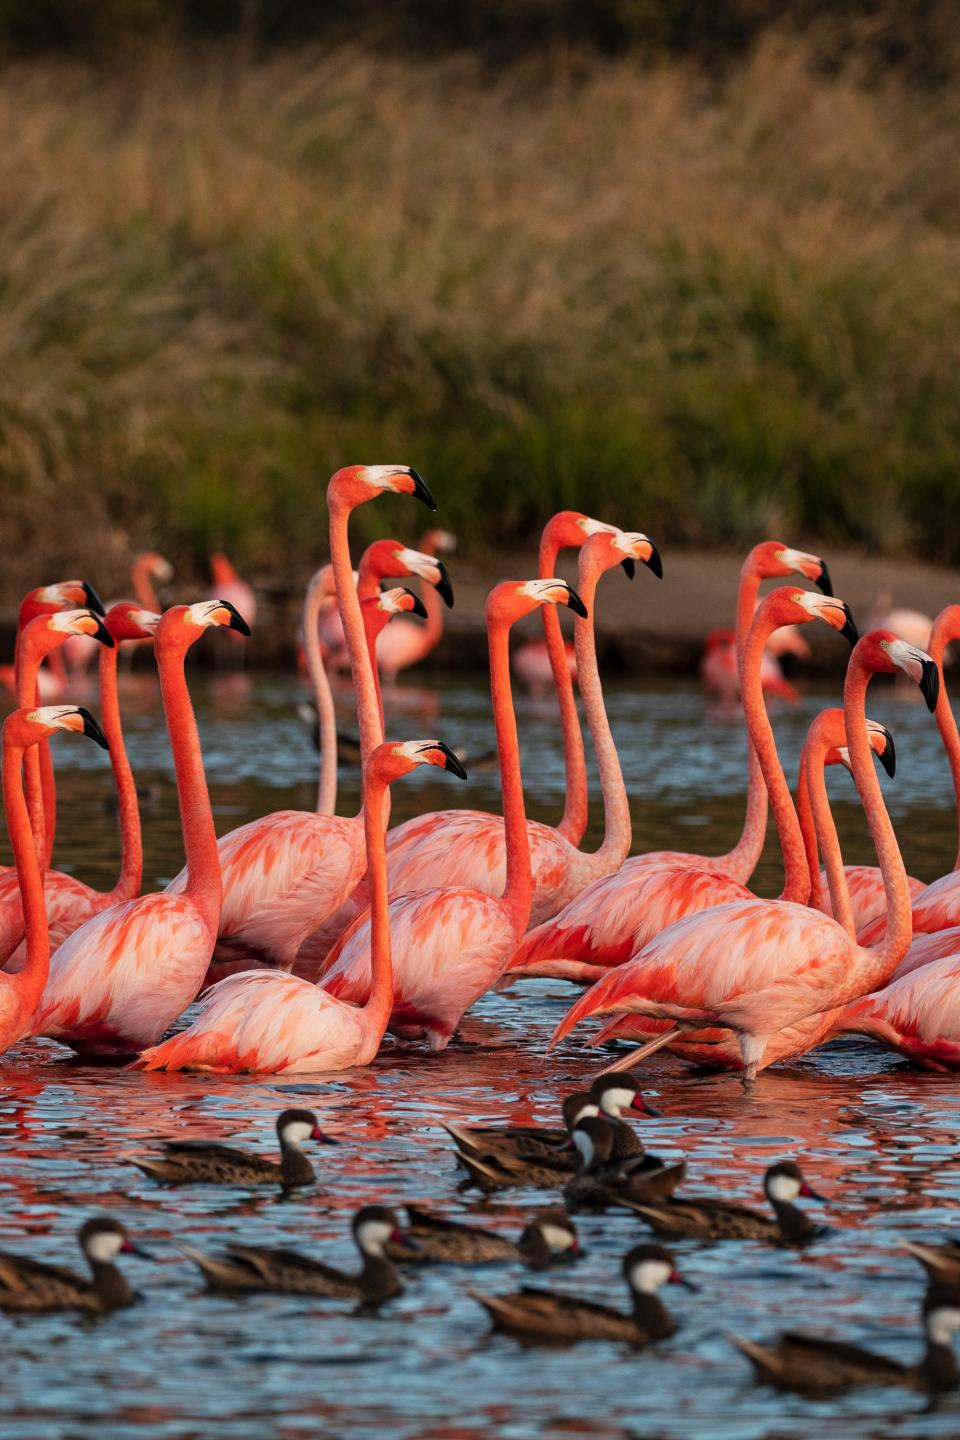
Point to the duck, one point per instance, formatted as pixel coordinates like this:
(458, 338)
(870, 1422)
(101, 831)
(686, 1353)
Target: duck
(546, 1316)
(614, 1094)
(206, 1162)
(549, 1239)
(706, 1218)
(814, 1365)
(31, 1286)
(243, 1269)
(603, 1180)
(526, 1142)
(941, 1262)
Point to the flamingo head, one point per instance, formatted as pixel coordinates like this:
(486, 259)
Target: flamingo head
(882, 653)
(607, 549)
(157, 566)
(28, 727)
(772, 559)
(129, 621)
(647, 1267)
(47, 632)
(64, 594)
(323, 580)
(387, 557)
(442, 541)
(512, 599)
(568, 529)
(378, 610)
(881, 743)
(182, 625)
(394, 758)
(355, 484)
(786, 606)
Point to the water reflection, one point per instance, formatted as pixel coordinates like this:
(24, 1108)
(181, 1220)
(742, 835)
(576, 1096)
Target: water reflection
(876, 1138)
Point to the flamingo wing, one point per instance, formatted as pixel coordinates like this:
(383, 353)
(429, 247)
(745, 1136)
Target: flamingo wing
(917, 1015)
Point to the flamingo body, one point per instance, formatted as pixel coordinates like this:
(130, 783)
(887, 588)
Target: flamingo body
(918, 1015)
(531, 664)
(867, 899)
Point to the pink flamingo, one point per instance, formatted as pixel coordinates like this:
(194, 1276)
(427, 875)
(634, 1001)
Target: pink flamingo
(390, 560)
(611, 919)
(917, 1014)
(119, 980)
(321, 594)
(147, 572)
(450, 944)
(756, 967)
(406, 644)
(276, 1024)
(24, 728)
(226, 584)
(69, 901)
(718, 670)
(285, 872)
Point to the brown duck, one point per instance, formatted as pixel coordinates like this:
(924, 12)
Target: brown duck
(525, 1142)
(29, 1285)
(705, 1218)
(546, 1316)
(206, 1162)
(248, 1268)
(614, 1094)
(602, 1180)
(549, 1239)
(817, 1366)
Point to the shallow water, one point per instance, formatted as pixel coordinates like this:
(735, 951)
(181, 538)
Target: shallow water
(875, 1137)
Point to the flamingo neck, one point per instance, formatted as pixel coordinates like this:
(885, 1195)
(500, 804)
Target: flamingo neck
(812, 788)
(373, 627)
(375, 808)
(881, 959)
(323, 699)
(204, 884)
(143, 586)
(40, 785)
(518, 890)
(573, 822)
(740, 862)
(796, 878)
(368, 709)
(616, 807)
(131, 842)
(946, 628)
(29, 984)
(432, 629)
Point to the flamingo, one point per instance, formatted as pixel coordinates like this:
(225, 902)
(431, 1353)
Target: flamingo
(22, 729)
(917, 1014)
(756, 967)
(937, 906)
(227, 585)
(118, 981)
(69, 901)
(476, 865)
(320, 594)
(284, 873)
(450, 944)
(390, 560)
(147, 572)
(612, 918)
(406, 644)
(718, 670)
(277, 1024)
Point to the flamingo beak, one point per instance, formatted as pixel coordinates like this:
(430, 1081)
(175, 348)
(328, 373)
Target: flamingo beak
(930, 683)
(101, 633)
(575, 603)
(653, 561)
(94, 602)
(848, 629)
(888, 756)
(443, 587)
(451, 761)
(629, 566)
(91, 729)
(822, 581)
(418, 607)
(236, 621)
(420, 491)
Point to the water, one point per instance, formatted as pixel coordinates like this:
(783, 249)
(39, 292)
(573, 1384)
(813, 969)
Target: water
(875, 1137)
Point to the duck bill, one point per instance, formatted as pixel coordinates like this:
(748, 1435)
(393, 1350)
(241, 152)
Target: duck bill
(317, 1134)
(129, 1247)
(405, 1242)
(639, 1103)
(677, 1279)
(808, 1193)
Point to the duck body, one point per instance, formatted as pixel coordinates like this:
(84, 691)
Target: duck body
(32, 1287)
(207, 1162)
(643, 1179)
(549, 1239)
(708, 1218)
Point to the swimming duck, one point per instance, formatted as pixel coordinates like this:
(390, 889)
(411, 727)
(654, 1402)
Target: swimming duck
(603, 1180)
(549, 1239)
(941, 1262)
(30, 1285)
(206, 1162)
(706, 1218)
(547, 1316)
(247, 1268)
(526, 1142)
(814, 1365)
(614, 1094)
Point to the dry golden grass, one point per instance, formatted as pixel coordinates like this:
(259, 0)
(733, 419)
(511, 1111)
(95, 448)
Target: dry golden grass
(701, 309)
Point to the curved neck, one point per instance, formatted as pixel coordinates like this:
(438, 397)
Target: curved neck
(890, 950)
(518, 890)
(946, 628)
(814, 782)
(143, 586)
(368, 711)
(33, 977)
(573, 822)
(380, 1000)
(204, 884)
(433, 628)
(323, 698)
(742, 860)
(616, 806)
(128, 809)
(796, 879)
(40, 786)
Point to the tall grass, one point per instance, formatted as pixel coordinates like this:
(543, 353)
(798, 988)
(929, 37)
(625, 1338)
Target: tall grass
(704, 309)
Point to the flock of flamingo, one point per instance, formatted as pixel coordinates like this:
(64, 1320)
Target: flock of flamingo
(308, 935)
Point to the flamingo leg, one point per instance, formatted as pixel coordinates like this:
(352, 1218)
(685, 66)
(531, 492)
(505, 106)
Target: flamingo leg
(633, 1057)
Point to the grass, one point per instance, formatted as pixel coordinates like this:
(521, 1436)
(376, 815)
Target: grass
(703, 309)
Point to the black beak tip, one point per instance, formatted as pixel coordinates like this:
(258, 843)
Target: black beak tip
(92, 729)
(453, 762)
(94, 602)
(849, 631)
(823, 579)
(443, 587)
(328, 1140)
(930, 684)
(420, 490)
(629, 567)
(575, 603)
(237, 621)
(655, 563)
(103, 635)
(418, 606)
(888, 759)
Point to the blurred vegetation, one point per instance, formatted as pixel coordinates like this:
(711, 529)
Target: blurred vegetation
(706, 304)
